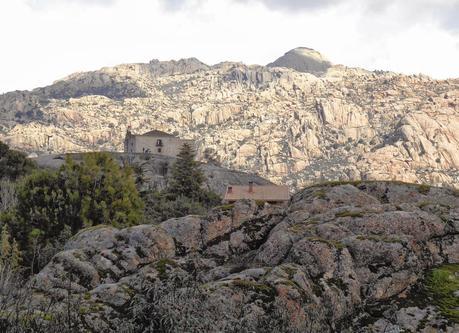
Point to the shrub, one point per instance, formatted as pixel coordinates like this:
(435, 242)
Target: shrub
(13, 164)
(441, 284)
(52, 206)
(158, 207)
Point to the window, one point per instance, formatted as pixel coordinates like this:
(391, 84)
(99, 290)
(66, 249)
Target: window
(159, 143)
(159, 150)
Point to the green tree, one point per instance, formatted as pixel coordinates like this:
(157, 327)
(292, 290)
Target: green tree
(53, 205)
(187, 177)
(45, 206)
(109, 192)
(96, 191)
(13, 164)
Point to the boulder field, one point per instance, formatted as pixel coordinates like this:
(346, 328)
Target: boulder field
(342, 257)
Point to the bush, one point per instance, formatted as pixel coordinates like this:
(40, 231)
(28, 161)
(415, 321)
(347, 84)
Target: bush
(52, 206)
(160, 208)
(442, 283)
(13, 164)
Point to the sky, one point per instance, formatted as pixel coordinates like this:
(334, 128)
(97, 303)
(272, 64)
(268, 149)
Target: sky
(46, 40)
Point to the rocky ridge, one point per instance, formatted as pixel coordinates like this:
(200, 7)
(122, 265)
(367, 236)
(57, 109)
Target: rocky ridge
(288, 126)
(325, 263)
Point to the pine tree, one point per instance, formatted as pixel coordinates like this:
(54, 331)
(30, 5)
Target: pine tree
(187, 177)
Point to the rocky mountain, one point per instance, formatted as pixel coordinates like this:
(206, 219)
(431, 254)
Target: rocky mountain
(354, 257)
(298, 121)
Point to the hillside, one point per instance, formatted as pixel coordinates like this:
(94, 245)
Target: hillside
(357, 257)
(279, 121)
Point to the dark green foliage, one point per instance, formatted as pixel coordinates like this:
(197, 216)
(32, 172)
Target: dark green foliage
(109, 194)
(13, 164)
(52, 206)
(187, 178)
(45, 206)
(158, 207)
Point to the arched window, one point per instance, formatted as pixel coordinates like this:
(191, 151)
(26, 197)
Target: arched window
(159, 143)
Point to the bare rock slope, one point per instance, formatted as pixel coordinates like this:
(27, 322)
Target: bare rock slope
(296, 121)
(340, 258)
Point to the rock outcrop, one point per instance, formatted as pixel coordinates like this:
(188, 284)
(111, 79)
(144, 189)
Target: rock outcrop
(287, 126)
(305, 60)
(326, 263)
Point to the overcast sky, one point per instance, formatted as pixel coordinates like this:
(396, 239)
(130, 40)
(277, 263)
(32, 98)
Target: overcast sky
(44, 40)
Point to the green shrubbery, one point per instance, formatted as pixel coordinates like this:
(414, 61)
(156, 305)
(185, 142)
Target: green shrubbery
(43, 208)
(442, 283)
(13, 164)
(54, 205)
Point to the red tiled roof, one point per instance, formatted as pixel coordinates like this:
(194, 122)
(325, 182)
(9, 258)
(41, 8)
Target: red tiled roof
(262, 192)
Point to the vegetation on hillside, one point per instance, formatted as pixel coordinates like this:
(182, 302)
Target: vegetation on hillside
(45, 208)
(42, 208)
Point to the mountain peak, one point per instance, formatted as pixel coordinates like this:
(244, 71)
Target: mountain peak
(303, 59)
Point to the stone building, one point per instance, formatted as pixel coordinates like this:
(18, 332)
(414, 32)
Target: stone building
(272, 194)
(154, 142)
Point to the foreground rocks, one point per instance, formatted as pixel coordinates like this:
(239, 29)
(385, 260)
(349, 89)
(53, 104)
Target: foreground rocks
(340, 258)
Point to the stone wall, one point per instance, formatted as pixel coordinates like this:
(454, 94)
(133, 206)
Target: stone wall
(165, 146)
